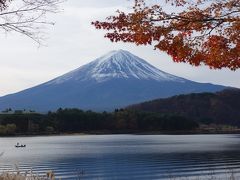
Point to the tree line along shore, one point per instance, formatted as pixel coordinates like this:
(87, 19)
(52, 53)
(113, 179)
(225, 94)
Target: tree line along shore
(77, 121)
(69, 121)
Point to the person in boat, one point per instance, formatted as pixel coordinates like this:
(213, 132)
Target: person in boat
(18, 145)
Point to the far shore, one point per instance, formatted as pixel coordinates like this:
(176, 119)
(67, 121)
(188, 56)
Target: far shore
(194, 132)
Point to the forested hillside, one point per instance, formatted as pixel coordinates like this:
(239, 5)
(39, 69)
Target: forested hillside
(220, 108)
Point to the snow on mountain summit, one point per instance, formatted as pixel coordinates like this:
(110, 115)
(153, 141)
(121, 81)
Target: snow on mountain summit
(115, 80)
(116, 64)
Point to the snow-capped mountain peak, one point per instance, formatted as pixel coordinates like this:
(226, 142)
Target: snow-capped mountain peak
(115, 80)
(117, 64)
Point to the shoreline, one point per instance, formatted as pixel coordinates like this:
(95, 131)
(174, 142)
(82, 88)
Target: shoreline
(196, 132)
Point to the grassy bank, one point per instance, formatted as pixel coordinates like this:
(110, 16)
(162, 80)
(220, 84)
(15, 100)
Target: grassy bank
(26, 176)
(50, 176)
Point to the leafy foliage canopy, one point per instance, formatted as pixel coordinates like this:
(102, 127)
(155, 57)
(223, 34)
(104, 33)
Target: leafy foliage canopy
(198, 32)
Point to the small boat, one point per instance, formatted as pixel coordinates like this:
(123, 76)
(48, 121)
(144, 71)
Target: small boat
(20, 146)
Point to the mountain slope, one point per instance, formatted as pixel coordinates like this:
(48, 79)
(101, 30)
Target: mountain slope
(221, 107)
(111, 81)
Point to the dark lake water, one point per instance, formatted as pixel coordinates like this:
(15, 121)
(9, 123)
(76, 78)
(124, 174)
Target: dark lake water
(125, 156)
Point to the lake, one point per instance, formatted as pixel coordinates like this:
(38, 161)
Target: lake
(124, 156)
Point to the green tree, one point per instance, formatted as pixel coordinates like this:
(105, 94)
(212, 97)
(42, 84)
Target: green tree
(11, 129)
(2, 130)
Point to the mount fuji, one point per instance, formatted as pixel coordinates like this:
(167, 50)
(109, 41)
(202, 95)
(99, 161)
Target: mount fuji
(114, 80)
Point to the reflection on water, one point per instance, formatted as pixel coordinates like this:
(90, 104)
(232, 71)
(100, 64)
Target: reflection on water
(124, 156)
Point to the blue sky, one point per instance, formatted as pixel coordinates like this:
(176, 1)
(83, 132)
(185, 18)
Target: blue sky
(73, 41)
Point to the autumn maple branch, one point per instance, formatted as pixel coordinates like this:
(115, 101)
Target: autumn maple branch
(206, 32)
